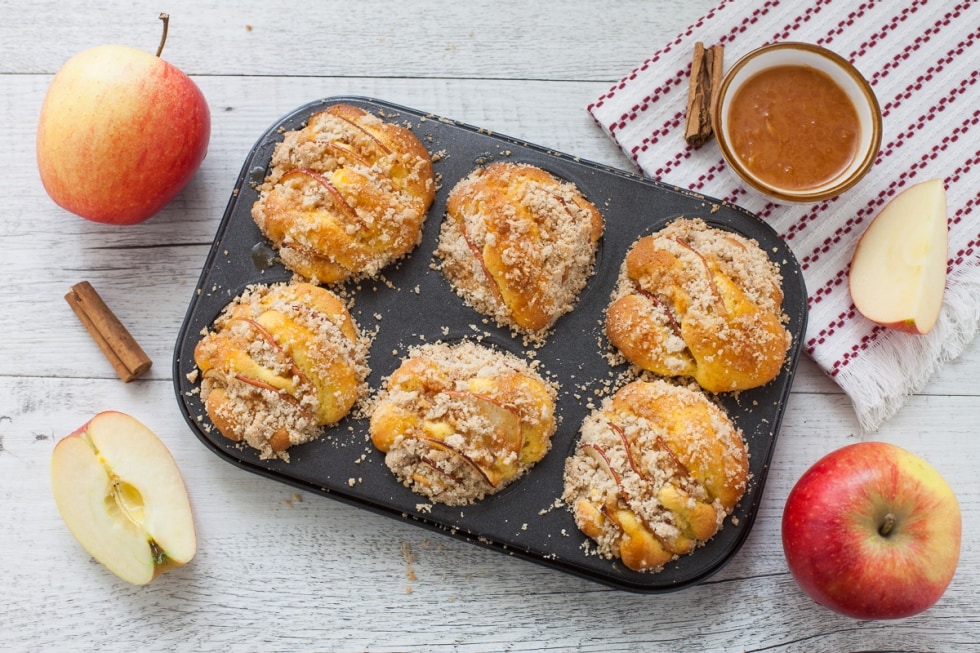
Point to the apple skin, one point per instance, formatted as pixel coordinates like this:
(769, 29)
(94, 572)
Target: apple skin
(121, 495)
(121, 133)
(831, 538)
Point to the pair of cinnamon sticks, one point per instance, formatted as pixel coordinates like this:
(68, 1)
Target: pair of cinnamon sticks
(706, 74)
(120, 348)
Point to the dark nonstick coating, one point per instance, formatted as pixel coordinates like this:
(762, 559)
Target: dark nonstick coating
(413, 303)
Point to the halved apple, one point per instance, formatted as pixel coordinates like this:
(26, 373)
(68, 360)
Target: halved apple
(122, 496)
(898, 273)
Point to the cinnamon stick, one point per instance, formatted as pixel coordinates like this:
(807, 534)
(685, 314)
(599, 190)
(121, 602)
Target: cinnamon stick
(706, 72)
(120, 348)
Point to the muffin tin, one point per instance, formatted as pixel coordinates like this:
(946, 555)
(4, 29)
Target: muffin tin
(412, 303)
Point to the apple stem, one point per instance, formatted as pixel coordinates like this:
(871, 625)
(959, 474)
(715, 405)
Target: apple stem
(163, 39)
(886, 528)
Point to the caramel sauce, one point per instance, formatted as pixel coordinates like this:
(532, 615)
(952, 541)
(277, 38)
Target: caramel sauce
(793, 127)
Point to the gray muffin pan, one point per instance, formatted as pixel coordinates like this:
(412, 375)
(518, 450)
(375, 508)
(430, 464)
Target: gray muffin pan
(413, 304)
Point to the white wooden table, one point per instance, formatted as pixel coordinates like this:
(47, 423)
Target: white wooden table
(283, 570)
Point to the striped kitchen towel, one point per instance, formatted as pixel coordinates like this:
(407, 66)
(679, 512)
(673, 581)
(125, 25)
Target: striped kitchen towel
(921, 58)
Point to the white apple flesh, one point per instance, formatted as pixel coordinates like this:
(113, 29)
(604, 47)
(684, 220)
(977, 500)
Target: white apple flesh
(898, 272)
(872, 531)
(121, 133)
(122, 496)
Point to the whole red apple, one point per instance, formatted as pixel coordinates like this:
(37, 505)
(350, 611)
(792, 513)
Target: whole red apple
(121, 133)
(872, 531)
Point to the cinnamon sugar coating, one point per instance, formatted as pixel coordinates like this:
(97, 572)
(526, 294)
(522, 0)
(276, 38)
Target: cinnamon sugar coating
(518, 244)
(460, 422)
(657, 469)
(345, 196)
(697, 301)
(281, 362)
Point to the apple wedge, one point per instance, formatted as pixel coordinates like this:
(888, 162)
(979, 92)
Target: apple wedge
(898, 273)
(122, 496)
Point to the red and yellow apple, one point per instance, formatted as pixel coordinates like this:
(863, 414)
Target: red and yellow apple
(121, 133)
(872, 531)
(122, 496)
(898, 272)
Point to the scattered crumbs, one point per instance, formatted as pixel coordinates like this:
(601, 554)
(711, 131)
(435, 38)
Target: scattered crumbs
(558, 503)
(378, 316)
(524, 526)
(248, 28)
(351, 482)
(407, 553)
(409, 568)
(424, 508)
(192, 375)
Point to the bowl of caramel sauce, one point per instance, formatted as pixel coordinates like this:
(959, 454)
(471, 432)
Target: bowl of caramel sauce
(797, 122)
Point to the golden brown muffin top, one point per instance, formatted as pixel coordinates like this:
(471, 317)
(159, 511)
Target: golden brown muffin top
(458, 422)
(698, 301)
(657, 469)
(346, 195)
(281, 362)
(518, 244)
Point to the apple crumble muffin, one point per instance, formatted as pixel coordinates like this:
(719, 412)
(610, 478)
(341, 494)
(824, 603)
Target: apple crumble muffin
(518, 244)
(281, 362)
(459, 422)
(345, 196)
(657, 469)
(697, 301)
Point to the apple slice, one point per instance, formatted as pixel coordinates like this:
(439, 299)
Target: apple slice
(492, 444)
(121, 495)
(492, 282)
(484, 471)
(340, 150)
(898, 273)
(628, 447)
(332, 190)
(709, 273)
(351, 119)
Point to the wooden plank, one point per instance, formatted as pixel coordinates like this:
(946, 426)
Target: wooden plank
(277, 569)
